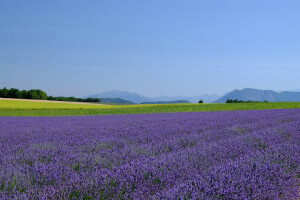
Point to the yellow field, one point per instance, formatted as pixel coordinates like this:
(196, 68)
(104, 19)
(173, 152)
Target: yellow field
(46, 108)
(43, 105)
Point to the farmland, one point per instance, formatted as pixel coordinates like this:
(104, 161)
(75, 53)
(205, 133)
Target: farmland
(202, 155)
(35, 108)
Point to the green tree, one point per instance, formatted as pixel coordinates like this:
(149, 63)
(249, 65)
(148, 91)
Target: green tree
(14, 93)
(41, 94)
(36, 94)
(24, 94)
(4, 93)
(32, 94)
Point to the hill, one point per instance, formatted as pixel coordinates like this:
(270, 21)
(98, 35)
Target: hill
(207, 98)
(115, 100)
(297, 90)
(166, 102)
(129, 96)
(249, 94)
(137, 98)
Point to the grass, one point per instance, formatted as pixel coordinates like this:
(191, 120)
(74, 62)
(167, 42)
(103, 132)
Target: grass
(32, 108)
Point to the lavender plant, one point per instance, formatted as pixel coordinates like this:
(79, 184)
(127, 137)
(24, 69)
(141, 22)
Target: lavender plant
(208, 155)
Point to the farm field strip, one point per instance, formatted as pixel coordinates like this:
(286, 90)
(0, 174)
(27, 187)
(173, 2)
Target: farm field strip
(50, 101)
(204, 155)
(32, 108)
(18, 104)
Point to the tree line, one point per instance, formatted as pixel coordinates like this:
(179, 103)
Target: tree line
(240, 101)
(74, 99)
(39, 94)
(22, 94)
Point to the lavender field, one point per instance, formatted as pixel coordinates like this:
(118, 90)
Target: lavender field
(207, 155)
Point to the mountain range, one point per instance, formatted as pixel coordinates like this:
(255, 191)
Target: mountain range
(249, 94)
(294, 90)
(115, 100)
(137, 98)
(244, 94)
(166, 102)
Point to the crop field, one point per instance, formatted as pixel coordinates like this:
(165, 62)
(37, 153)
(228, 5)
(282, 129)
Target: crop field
(201, 155)
(44, 105)
(35, 108)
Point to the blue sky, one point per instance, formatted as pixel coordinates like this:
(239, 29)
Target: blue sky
(169, 47)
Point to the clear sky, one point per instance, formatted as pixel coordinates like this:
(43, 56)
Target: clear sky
(152, 47)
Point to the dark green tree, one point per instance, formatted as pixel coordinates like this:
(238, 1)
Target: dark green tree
(4, 93)
(31, 94)
(41, 94)
(24, 94)
(14, 93)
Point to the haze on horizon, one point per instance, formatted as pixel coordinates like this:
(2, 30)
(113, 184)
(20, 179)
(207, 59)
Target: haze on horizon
(154, 48)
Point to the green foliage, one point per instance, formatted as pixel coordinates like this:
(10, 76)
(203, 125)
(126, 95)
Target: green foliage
(11, 185)
(36, 94)
(15, 93)
(73, 99)
(23, 94)
(156, 180)
(2, 186)
(76, 167)
(240, 101)
(4, 92)
(201, 101)
(74, 194)
(39, 94)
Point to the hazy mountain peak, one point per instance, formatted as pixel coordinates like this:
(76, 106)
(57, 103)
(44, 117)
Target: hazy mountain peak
(129, 96)
(251, 94)
(137, 98)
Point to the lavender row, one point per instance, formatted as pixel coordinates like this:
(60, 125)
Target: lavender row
(212, 155)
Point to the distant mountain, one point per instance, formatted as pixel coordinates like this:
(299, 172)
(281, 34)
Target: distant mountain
(137, 98)
(206, 98)
(165, 102)
(129, 96)
(115, 100)
(260, 95)
(298, 90)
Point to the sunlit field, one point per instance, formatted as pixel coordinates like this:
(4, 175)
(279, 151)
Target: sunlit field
(35, 108)
(44, 105)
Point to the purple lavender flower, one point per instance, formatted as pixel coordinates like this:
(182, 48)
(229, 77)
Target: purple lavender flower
(207, 155)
